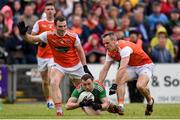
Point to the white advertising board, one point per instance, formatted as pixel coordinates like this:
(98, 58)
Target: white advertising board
(164, 86)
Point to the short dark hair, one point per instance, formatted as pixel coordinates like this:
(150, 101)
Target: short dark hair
(60, 18)
(86, 77)
(107, 34)
(49, 4)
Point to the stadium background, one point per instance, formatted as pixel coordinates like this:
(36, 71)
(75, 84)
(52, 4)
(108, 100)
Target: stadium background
(20, 81)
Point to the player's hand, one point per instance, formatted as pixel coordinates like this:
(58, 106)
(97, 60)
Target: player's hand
(85, 102)
(22, 28)
(96, 106)
(113, 89)
(86, 70)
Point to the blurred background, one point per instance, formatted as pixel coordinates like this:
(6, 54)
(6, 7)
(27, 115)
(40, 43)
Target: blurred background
(152, 24)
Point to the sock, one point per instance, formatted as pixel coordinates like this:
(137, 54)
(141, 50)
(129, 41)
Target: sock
(48, 98)
(58, 107)
(121, 105)
(150, 102)
(120, 101)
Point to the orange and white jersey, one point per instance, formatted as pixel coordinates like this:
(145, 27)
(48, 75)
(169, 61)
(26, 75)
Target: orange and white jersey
(39, 27)
(63, 47)
(137, 56)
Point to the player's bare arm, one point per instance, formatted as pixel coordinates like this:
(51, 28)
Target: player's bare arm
(105, 103)
(72, 103)
(122, 69)
(104, 71)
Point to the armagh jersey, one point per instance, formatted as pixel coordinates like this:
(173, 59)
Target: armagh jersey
(137, 56)
(39, 27)
(63, 47)
(98, 91)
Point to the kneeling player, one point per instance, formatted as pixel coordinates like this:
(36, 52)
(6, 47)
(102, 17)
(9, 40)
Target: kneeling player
(89, 106)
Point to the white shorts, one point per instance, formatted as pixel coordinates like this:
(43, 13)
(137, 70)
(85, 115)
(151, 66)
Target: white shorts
(136, 71)
(75, 72)
(44, 63)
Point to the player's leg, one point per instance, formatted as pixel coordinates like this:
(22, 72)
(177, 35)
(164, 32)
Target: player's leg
(145, 74)
(56, 79)
(44, 72)
(75, 76)
(130, 74)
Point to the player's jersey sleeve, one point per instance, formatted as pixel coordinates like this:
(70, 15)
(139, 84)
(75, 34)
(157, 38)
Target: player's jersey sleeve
(126, 51)
(102, 94)
(77, 42)
(35, 28)
(108, 58)
(43, 36)
(75, 93)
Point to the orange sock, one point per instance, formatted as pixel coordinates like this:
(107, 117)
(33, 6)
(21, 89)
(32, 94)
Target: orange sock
(48, 98)
(121, 101)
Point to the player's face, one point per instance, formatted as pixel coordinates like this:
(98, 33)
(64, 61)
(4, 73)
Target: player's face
(109, 44)
(50, 11)
(87, 85)
(61, 27)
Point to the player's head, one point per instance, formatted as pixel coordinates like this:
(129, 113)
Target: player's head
(109, 40)
(87, 82)
(61, 25)
(50, 10)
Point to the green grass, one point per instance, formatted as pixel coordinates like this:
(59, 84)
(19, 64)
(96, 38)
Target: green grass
(39, 111)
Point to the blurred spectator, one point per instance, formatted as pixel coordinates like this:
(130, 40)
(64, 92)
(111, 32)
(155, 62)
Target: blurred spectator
(169, 44)
(167, 6)
(40, 5)
(125, 24)
(133, 2)
(175, 37)
(139, 21)
(93, 49)
(174, 19)
(3, 31)
(77, 25)
(110, 25)
(127, 8)
(114, 13)
(8, 17)
(159, 53)
(58, 13)
(66, 6)
(91, 25)
(28, 17)
(14, 46)
(156, 16)
(17, 11)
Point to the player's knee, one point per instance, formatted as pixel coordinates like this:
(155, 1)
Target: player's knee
(46, 83)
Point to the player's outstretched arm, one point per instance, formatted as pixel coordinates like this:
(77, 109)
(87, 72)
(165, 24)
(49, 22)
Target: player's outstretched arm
(104, 71)
(72, 104)
(23, 31)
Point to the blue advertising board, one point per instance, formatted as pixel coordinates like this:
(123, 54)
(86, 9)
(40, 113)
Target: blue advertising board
(3, 81)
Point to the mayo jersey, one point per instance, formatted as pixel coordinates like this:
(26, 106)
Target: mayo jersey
(63, 47)
(99, 91)
(39, 27)
(137, 56)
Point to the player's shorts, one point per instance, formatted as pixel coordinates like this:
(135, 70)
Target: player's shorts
(44, 63)
(75, 72)
(135, 71)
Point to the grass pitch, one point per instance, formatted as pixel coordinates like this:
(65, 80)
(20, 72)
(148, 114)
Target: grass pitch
(132, 111)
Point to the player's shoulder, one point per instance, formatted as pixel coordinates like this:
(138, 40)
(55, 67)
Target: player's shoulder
(71, 33)
(99, 86)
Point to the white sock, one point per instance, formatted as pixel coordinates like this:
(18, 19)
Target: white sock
(122, 105)
(150, 102)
